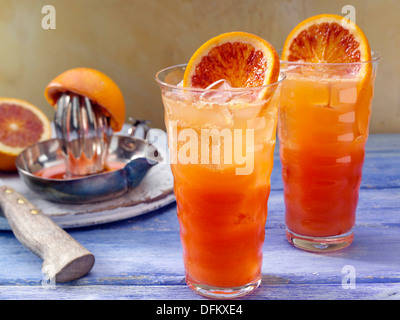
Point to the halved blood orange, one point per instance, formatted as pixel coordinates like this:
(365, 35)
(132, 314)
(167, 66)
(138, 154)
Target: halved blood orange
(243, 59)
(326, 38)
(21, 125)
(96, 86)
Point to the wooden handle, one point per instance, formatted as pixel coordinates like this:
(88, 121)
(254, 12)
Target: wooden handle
(64, 259)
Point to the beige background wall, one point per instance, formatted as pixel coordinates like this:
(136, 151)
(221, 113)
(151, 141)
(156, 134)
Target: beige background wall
(130, 40)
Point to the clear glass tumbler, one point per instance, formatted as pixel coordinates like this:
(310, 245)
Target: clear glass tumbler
(323, 126)
(221, 144)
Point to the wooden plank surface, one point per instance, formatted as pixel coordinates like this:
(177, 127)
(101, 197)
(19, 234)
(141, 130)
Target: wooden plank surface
(141, 257)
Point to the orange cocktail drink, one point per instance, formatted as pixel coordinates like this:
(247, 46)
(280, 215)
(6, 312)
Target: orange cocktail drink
(221, 145)
(324, 115)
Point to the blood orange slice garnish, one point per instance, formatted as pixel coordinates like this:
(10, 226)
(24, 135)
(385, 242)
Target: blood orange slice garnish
(327, 38)
(21, 125)
(243, 59)
(93, 84)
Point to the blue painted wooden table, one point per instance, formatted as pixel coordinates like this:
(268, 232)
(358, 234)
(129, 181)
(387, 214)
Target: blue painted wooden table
(140, 258)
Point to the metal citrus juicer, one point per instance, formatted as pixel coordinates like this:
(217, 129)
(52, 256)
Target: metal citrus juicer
(86, 147)
(84, 135)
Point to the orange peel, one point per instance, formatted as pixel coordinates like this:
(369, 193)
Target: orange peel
(93, 84)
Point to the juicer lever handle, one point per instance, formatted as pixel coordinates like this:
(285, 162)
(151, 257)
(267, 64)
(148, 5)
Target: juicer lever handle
(139, 128)
(64, 259)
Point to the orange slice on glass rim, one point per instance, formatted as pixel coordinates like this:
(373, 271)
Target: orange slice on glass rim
(243, 59)
(328, 38)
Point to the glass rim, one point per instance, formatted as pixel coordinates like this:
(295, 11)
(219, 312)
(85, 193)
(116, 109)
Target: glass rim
(375, 57)
(281, 78)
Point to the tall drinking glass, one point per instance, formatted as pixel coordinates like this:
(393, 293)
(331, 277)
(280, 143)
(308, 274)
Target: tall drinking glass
(221, 144)
(323, 128)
